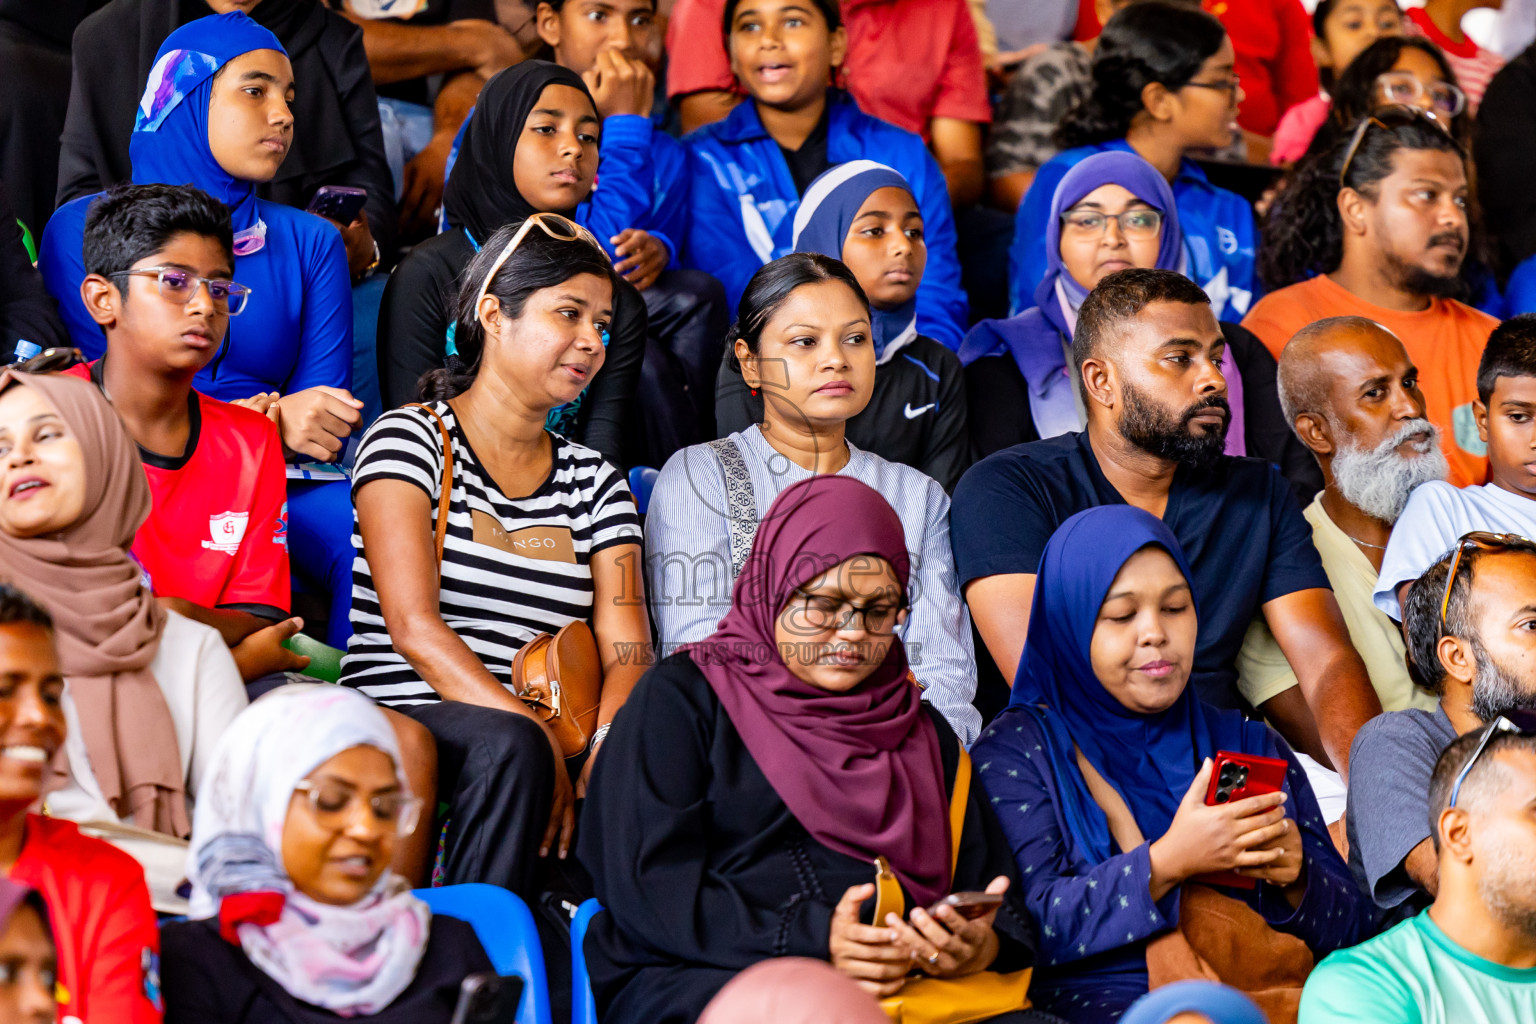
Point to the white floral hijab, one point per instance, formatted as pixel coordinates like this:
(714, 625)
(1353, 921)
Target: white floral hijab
(351, 960)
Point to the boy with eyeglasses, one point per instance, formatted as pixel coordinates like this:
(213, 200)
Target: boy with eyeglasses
(1471, 957)
(159, 260)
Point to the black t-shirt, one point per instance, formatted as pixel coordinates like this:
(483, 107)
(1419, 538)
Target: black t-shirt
(808, 162)
(1241, 529)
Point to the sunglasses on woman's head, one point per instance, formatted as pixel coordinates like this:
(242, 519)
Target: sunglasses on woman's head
(1521, 723)
(1482, 541)
(561, 229)
(1390, 118)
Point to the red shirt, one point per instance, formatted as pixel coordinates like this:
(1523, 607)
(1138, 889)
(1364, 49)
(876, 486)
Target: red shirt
(105, 931)
(1272, 39)
(218, 534)
(908, 61)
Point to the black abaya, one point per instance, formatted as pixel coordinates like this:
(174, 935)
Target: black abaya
(702, 869)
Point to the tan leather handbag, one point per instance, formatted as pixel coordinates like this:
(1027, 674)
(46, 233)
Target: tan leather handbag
(558, 675)
(973, 998)
(1218, 938)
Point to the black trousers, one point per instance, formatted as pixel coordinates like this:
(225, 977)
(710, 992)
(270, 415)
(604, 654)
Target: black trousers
(688, 317)
(495, 771)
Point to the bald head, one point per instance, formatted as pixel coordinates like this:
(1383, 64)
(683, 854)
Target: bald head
(1352, 396)
(1323, 354)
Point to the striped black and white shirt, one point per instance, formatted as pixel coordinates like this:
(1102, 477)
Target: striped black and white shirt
(512, 567)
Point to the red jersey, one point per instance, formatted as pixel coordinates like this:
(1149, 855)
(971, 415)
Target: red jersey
(218, 534)
(105, 931)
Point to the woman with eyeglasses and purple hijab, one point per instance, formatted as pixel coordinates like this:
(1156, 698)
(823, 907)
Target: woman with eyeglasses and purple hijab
(1111, 212)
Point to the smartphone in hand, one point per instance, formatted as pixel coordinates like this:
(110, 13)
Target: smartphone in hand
(488, 999)
(1236, 776)
(969, 905)
(340, 203)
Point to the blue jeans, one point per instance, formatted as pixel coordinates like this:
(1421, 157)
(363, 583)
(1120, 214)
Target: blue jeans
(407, 130)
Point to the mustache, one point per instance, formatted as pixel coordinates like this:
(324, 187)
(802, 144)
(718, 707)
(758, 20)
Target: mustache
(1213, 402)
(1416, 428)
(1455, 238)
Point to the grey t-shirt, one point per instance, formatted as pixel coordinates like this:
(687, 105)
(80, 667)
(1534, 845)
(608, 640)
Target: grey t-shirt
(1392, 759)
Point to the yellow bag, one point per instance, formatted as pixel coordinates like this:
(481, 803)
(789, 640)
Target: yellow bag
(976, 997)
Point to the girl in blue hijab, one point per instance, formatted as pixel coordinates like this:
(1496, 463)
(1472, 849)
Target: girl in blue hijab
(292, 344)
(1101, 694)
(866, 215)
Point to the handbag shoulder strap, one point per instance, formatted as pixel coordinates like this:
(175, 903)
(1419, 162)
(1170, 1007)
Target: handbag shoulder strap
(740, 502)
(958, 798)
(445, 490)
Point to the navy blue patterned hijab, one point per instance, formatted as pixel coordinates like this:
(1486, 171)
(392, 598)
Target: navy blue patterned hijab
(1151, 760)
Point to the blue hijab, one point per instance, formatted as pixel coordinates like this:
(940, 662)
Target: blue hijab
(822, 222)
(170, 133)
(1151, 760)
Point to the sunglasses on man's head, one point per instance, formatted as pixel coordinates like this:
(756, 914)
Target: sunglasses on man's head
(1482, 541)
(1390, 118)
(1521, 723)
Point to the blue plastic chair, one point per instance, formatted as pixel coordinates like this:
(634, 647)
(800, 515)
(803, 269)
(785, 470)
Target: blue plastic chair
(583, 1005)
(505, 927)
(641, 481)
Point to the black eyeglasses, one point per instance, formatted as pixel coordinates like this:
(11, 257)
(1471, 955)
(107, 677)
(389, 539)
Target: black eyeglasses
(52, 360)
(1389, 118)
(1520, 723)
(1483, 542)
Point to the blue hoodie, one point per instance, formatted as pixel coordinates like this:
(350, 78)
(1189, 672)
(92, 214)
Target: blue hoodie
(1219, 235)
(744, 202)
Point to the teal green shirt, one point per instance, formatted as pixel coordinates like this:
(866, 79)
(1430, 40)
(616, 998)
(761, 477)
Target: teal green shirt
(1414, 974)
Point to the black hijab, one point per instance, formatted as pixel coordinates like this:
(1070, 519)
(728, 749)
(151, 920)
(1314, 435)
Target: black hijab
(481, 195)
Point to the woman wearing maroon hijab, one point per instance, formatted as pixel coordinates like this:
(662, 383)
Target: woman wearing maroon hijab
(754, 777)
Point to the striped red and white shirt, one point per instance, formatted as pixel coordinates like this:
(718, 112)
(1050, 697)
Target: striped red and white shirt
(1474, 66)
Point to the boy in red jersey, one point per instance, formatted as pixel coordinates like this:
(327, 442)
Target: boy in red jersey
(215, 547)
(98, 904)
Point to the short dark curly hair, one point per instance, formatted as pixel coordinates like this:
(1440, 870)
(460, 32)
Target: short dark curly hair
(1121, 296)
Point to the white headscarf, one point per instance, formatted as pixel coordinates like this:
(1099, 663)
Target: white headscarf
(353, 960)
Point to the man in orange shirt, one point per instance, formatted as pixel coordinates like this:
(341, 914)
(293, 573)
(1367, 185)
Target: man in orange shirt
(1378, 228)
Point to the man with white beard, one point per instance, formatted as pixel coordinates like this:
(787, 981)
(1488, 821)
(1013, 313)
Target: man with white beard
(1438, 513)
(1351, 394)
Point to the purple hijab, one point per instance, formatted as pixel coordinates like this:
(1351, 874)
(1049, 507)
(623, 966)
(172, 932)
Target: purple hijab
(860, 770)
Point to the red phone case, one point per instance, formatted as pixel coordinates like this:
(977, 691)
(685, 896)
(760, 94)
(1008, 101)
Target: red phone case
(1255, 776)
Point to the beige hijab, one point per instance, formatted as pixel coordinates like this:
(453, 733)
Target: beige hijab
(107, 623)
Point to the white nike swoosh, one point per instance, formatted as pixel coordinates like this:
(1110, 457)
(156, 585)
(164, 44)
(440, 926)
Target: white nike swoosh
(913, 414)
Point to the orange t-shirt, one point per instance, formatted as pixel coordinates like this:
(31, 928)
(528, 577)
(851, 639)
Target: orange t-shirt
(1444, 341)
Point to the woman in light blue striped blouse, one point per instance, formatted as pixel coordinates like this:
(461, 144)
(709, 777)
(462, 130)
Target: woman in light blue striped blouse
(803, 338)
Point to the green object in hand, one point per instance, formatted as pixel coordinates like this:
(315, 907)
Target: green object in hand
(324, 662)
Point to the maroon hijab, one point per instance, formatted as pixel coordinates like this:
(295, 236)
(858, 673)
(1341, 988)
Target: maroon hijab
(860, 770)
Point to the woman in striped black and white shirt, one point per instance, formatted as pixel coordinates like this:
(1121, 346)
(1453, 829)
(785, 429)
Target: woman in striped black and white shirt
(541, 532)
